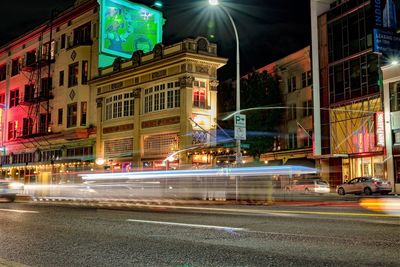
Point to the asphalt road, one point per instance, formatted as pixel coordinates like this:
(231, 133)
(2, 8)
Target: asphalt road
(51, 235)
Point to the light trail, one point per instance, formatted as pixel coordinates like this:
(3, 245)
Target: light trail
(19, 211)
(215, 172)
(271, 211)
(225, 228)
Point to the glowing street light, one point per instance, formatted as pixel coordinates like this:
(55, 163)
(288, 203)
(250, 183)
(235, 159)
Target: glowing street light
(216, 3)
(213, 2)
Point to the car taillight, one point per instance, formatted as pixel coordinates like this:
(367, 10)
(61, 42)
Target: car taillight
(377, 183)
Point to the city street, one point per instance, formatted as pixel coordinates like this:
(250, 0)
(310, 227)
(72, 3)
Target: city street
(37, 234)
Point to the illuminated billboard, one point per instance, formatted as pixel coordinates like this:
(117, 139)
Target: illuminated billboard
(126, 27)
(386, 26)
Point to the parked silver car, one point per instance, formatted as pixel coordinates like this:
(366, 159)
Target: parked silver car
(366, 185)
(9, 189)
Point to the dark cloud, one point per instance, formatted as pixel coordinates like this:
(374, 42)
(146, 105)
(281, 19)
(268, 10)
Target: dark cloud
(268, 29)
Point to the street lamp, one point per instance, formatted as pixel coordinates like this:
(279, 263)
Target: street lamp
(216, 3)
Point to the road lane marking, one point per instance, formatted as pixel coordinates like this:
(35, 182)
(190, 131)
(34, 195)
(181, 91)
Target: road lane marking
(331, 213)
(19, 211)
(190, 225)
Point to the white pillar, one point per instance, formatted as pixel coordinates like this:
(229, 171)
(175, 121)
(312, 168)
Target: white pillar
(317, 8)
(388, 135)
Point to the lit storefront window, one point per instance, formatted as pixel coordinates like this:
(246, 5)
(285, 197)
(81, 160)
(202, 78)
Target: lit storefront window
(353, 128)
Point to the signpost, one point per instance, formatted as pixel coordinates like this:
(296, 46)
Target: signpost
(240, 127)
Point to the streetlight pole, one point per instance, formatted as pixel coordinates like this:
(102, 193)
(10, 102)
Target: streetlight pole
(216, 3)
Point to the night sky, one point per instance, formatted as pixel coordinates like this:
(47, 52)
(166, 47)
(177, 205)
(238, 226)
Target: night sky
(268, 29)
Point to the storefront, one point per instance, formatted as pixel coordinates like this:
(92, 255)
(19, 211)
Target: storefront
(356, 133)
(363, 166)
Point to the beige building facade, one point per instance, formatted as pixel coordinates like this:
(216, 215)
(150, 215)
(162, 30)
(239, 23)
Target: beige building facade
(154, 109)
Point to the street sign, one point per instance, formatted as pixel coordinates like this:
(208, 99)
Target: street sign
(240, 120)
(240, 133)
(232, 145)
(240, 126)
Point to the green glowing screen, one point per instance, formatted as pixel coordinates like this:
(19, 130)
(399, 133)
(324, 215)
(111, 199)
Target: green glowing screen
(126, 27)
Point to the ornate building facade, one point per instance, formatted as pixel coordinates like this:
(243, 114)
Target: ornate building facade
(155, 108)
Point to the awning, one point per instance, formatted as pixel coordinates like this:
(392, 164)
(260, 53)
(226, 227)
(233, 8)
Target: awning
(304, 162)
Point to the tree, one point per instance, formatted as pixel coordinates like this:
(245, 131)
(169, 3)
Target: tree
(261, 90)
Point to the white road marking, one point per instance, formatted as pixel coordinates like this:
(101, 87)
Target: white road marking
(19, 211)
(190, 225)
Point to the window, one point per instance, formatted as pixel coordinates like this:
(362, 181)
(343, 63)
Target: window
(29, 92)
(82, 35)
(83, 113)
(73, 70)
(294, 87)
(61, 78)
(62, 41)
(199, 94)
(292, 112)
(292, 142)
(170, 99)
(46, 86)
(27, 127)
(129, 103)
(118, 106)
(30, 58)
(3, 72)
(161, 97)
(60, 116)
(14, 98)
(307, 108)
(44, 121)
(72, 110)
(177, 98)
(2, 99)
(15, 67)
(80, 151)
(48, 49)
(12, 129)
(85, 71)
(306, 79)
(50, 155)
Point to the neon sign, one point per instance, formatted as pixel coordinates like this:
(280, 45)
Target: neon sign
(380, 129)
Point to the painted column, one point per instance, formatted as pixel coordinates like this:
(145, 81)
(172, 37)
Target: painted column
(186, 113)
(137, 139)
(388, 135)
(99, 132)
(317, 7)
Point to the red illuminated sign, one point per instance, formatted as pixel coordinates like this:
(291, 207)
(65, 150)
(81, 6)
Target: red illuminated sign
(380, 129)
